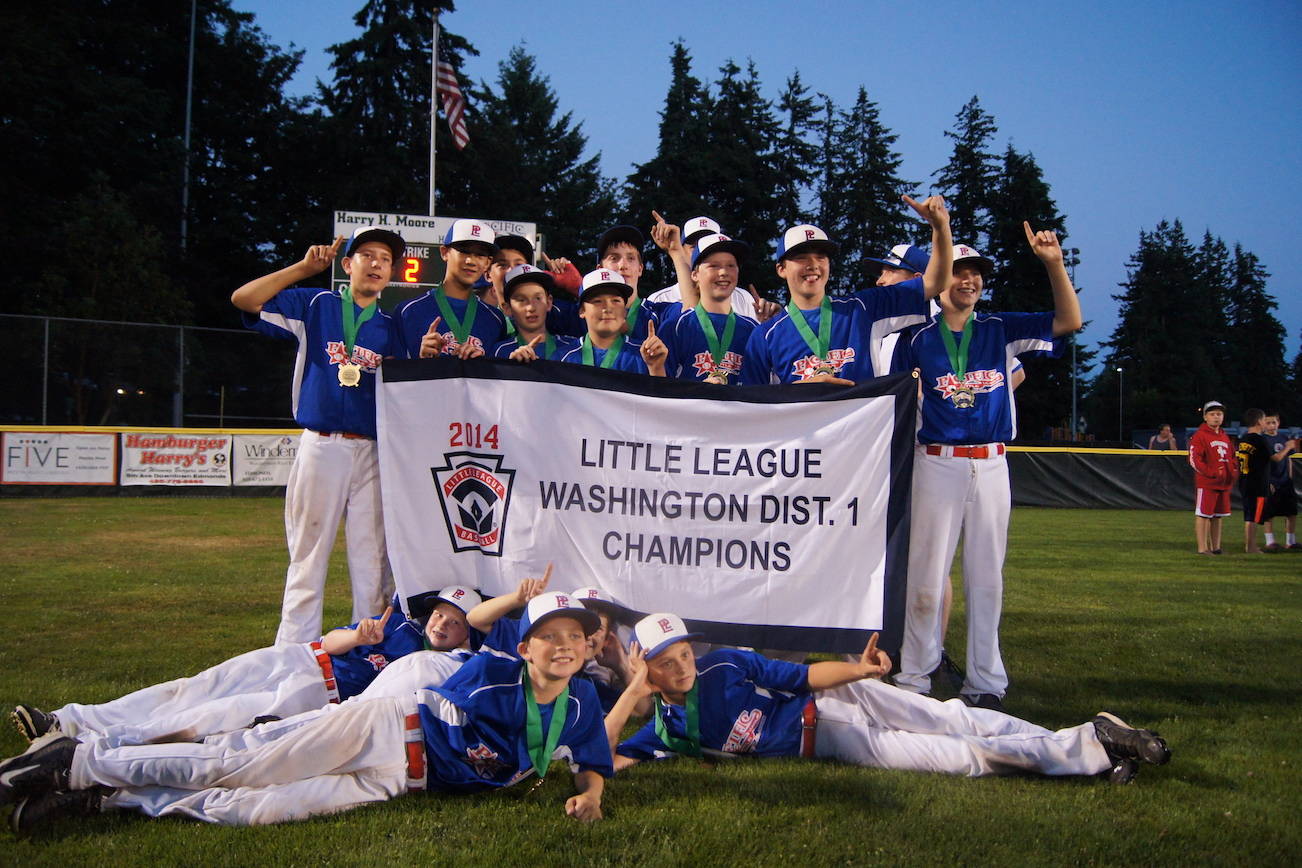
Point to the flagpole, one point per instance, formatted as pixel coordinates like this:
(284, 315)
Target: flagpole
(433, 108)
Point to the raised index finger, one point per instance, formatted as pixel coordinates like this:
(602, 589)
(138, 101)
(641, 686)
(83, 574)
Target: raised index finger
(384, 619)
(533, 343)
(650, 328)
(547, 575)
(334, 248)
(871, 651)
(434, 326)
(659, 219)
(1030, 233)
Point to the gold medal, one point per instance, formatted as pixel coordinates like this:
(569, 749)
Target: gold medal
(719, 378)
(824, 369)
(349, 374)
(963, 398)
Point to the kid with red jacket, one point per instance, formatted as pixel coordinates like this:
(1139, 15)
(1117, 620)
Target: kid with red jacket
(1211, 454)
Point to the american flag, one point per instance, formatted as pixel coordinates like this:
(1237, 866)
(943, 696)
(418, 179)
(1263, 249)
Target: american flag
(454, 104)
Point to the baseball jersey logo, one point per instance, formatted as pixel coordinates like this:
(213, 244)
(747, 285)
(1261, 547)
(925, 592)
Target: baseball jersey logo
(729, 365)
(963, 394)
(745, 734)
(474, 491)
(810, 366)
(484, 761)
(377, 661)
(451, 346)
(368, 360)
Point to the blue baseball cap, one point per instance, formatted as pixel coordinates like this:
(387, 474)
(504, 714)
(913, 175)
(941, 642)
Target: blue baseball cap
(421, 605)
(525, 273)
(905, 257)
(802, 238)
(552, 604)
(699, 227)
(658, 631)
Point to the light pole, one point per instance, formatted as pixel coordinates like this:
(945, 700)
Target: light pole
(1072, 260)
(1121, 401)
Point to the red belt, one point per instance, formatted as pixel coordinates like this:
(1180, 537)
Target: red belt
(808, 728)
(414, 737)
(989, 450)
(327, 672)
(347, 435)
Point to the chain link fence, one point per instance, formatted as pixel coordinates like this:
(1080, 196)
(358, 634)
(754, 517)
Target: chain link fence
(63, 371)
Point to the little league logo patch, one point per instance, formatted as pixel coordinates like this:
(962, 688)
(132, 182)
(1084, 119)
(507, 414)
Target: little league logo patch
(474, 490)
(812, 366)
(964, 393)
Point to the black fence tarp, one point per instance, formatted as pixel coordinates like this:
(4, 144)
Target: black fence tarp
(1112, 479)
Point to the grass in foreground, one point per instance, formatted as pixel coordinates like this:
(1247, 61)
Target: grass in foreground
(1103, 609)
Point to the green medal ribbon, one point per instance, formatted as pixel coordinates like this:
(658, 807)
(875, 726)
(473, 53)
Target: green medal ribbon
(633, 309)
(510, 326)
(719, 347)
(460, 328)
(691, 746)
(819, 346)
(549, 344)
(611, 354)
(539, 752)
(957, 355)
(353, 323)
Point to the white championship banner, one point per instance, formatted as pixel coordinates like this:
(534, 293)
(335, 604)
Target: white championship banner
(775, 517)
(57, 458)
(160, 458)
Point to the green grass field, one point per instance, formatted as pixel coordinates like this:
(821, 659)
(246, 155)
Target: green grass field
(1103, 609)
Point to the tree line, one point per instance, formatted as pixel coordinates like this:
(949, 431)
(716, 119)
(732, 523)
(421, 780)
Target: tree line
(93, 159)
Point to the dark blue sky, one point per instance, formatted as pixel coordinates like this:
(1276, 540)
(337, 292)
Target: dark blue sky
(1135, 112)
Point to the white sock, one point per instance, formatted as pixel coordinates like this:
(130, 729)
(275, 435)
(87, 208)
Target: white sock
(1270, 538)
(1292, 539)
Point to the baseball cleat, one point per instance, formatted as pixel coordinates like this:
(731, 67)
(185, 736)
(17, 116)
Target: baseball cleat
(1295, 547)
(1123, 741)
(951, 670)
(36, 811)
(1273, 548)
(31, 722)
(987, 701)
(42, 769)
(1123, 772)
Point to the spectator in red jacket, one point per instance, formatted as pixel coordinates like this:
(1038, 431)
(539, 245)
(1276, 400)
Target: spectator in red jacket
(1212, 456)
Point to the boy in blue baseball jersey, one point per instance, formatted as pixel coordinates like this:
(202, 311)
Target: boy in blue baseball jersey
(733, 702)
(341, 340)
(527, 292)
(603, 306)
(960, 478)
(280, 680)
(492, 724)
(451, 319)
(824, 340)
(705, 336)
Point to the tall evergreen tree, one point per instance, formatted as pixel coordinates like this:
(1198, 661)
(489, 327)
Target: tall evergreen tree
(1020, 283)
(744, 136)
(379, 108)
(1256, 371)
(529, 164)
(797, 152)
(674, 181)
(969, 179)
(1166, 337)
(861, 193)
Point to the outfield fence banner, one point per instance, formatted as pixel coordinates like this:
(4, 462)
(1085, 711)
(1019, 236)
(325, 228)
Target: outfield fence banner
(775, 517)
(262, 459)
(58, 458)
(168, 458)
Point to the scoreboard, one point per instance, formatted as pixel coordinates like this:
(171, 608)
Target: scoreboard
(421, 268)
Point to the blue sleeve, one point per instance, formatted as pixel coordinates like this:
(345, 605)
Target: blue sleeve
(643, 744)
(284, 316)
(903, 299)
(503, 637)
(564, 319)
(586, 736)
(766, 672)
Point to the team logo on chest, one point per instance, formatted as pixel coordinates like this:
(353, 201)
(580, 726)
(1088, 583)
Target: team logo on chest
(377, 661)
(729, 365)
(474, 491)
(812, 366)
(745, 732)
(368, 360)
(963, 393)
(451, 347)
(484, 761)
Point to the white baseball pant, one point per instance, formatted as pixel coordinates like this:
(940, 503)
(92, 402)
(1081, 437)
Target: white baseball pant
(281, 680)
(351, 754)
(971, 495)
(869, 723)
(333, 477)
